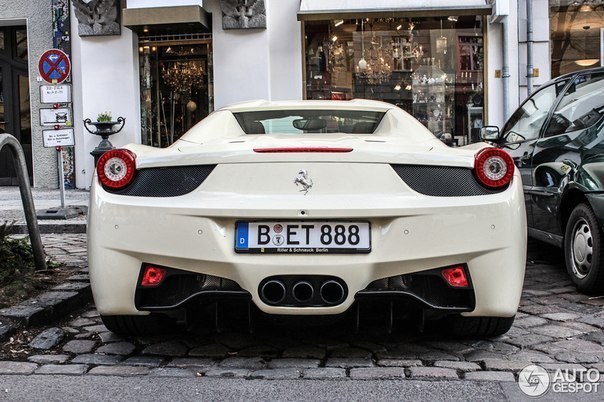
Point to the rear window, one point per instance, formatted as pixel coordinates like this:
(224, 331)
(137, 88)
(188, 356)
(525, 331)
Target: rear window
(309, 121)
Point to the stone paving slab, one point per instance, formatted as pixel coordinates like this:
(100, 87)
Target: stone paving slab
(324, 373)
(97, 359)
(433, 373)
(490, 376)
(62, 369)
(375, 373)
(276, 374)
(173, 372)
(119, 370)
(8, 367)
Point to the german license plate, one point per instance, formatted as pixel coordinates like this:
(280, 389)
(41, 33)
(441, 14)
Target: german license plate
(303, 237)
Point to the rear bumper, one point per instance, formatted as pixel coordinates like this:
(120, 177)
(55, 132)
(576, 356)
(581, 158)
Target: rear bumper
(410, 233)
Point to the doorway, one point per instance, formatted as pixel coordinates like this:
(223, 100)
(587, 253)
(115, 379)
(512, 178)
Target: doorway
(176, 88)
(15, 113)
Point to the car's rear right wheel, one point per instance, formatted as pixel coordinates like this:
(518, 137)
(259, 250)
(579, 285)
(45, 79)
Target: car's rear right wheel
(135, 325)
(583, 250)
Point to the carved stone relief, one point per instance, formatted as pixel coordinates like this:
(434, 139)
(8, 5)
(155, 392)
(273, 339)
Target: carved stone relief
(97, 17)
(243, 14)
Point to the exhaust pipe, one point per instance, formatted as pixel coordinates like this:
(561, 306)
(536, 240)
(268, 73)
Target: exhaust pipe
(332, 292)
(273, 292)
(303, 291)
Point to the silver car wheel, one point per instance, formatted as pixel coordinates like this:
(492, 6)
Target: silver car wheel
(581, 248)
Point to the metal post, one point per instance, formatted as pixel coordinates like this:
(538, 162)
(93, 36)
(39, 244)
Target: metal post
(61, 175)
(529, 47)
(28, 201)
(505, 70)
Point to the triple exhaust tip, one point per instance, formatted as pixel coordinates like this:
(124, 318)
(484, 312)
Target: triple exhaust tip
(331, 292)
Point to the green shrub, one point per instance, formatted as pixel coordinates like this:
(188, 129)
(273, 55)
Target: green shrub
(16, 256)
(104, 117)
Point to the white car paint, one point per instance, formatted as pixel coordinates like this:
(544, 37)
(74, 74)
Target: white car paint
(410, 232)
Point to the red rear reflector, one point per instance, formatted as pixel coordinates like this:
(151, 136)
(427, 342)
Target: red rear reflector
(301, 149)
(456, 277)
(152, 276)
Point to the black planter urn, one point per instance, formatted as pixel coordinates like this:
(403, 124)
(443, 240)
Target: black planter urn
(104, 129)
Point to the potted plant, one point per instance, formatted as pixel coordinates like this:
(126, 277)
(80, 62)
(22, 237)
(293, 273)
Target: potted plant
(104, 124)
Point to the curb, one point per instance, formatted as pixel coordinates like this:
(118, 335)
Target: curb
(46, 307)
(51, 228)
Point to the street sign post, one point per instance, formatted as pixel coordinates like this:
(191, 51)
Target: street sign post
(54, 66)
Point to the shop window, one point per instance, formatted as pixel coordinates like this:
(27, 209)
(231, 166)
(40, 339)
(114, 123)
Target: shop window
(176, 86)
(576, 33)
(2, 45)
(431, 67)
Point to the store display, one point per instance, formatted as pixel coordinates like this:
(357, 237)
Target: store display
(431, 94)
(432, 67)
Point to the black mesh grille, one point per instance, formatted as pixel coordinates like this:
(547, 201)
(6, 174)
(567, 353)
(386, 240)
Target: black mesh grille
(166, 181)
(442, 181)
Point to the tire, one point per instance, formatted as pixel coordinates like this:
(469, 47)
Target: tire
(476, 327)
(583, 250)
(137, 325)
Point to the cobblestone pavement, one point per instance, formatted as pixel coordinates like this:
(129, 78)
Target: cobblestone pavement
(556, 327)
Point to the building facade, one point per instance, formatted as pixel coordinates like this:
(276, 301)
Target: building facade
(162, 65)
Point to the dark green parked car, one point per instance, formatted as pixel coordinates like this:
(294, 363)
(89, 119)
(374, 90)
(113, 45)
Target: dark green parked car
(556, 138)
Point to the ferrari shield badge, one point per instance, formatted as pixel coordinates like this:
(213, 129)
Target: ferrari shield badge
(303, 180)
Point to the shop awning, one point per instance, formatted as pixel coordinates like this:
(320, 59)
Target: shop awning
(313, 10)
(167, 20)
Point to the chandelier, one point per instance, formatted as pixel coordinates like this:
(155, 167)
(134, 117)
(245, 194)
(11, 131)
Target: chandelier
(375, 67)
(183, 76)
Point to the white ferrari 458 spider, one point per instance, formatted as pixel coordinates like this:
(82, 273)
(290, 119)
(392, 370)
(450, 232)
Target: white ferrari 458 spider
(308, 208)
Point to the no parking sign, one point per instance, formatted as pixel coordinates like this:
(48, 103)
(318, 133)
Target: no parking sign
(54, 66)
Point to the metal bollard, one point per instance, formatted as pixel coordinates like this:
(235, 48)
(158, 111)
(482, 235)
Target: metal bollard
(26, 198)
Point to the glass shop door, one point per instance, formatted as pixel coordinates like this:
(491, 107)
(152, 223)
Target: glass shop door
(176, 88)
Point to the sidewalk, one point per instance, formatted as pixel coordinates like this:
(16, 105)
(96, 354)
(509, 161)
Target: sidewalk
(11, 209)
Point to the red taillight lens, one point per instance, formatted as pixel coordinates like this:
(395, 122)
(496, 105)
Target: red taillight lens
(152, 276)
(456, 276)
(493, 167)
(116, 168)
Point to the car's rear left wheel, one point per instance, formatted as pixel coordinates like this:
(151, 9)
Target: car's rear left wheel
(135, 325)
(583, 250)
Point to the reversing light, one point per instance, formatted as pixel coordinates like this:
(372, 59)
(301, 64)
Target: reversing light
(456, 276)
(493, 167)
(152, 276)
(116, 168)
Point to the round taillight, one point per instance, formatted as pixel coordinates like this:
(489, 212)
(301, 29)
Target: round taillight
(494, 167)
(116, 168)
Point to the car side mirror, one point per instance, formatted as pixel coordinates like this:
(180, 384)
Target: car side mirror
(490, 133)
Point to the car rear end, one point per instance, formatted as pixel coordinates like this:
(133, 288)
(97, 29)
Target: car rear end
(314, 230)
